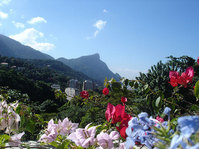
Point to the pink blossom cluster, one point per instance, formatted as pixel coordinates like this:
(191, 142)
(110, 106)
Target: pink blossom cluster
(10, 119)
(85, 137)
(63, 128)
(9, 122)
(183, 79)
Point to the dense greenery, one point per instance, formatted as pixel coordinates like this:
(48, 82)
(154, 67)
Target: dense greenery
(35, 77)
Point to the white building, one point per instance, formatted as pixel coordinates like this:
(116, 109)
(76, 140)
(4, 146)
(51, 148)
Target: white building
(71, 92)
(87, 84)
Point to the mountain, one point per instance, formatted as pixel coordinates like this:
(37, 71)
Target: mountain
(92, 66)
(12, 48)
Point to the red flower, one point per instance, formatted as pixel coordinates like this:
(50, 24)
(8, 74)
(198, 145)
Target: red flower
(110, 110)
(114, 112)
(118, 114)
(174, 76)
(123, 100)
(84, 94)
(185, 78)
(161, 120)
(124, 125)
(122, 131)
(105, 91)
(198, 60)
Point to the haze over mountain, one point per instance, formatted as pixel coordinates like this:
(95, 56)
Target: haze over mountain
(13, 48)
(92, 66)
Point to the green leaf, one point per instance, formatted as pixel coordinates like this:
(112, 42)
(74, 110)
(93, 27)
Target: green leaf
(196, 90)
(116, 86)
(157, 101)
(4, 139)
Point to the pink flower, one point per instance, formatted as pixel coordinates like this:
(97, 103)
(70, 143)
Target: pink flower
(190, 73)
(123, 100)
(84, 94)
(114, 135)
(15, 140)
(9, 118)
(161, 120)
(110, 110)
(66, 127)
(186, 77)
(105, 141)
(84, 137)
(51, 132)
(105, 91)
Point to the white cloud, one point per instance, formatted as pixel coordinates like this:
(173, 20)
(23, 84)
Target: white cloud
(105, 11)
(18, 24)
(96, 33)
(37, 20)
(4, 2)
(100, 24)
(30, 36)
(3, 15)
(0, 24)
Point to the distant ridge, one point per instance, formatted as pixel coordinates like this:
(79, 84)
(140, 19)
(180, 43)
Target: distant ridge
(13, 48)
(92, 66)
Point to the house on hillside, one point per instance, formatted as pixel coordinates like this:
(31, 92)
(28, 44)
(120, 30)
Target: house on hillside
(4, 64)
(55, 86)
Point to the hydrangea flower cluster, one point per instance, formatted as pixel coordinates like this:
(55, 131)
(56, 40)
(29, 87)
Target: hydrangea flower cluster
(187, 125)
(141, 129)
(183, 79)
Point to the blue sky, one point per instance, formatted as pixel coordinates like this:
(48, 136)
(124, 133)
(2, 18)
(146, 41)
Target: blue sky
(129, 35)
